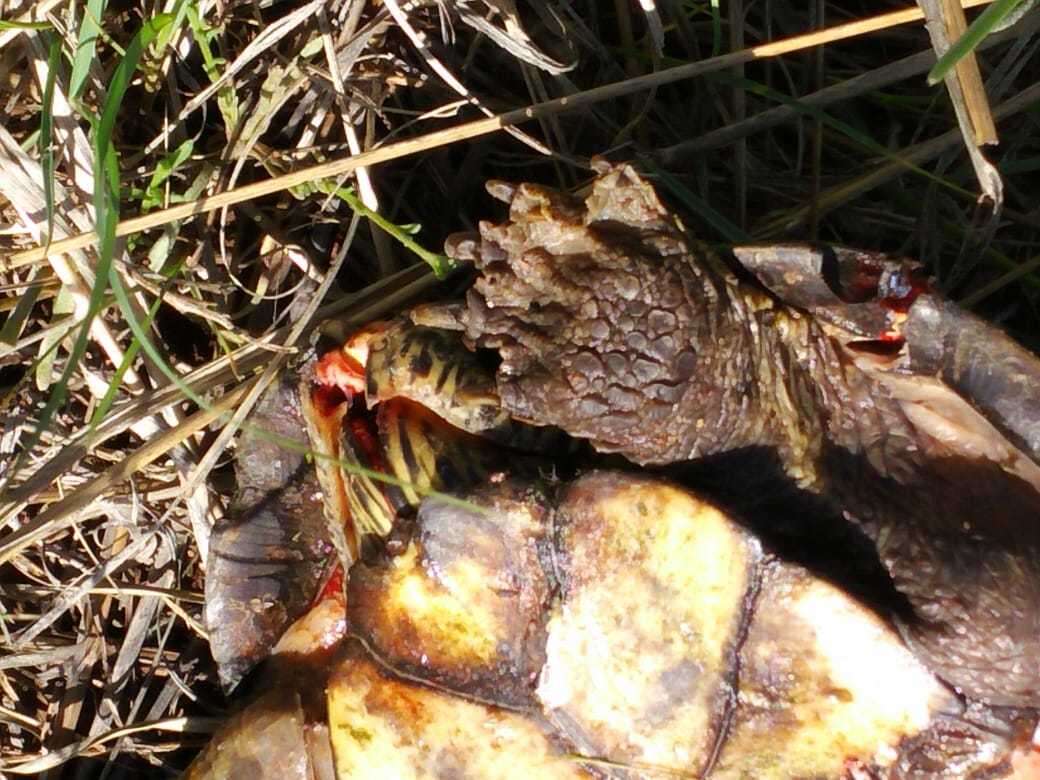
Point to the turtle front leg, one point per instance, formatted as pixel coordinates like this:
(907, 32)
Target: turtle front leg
(610, 328)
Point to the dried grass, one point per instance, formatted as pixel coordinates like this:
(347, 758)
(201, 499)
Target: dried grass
(242, 124)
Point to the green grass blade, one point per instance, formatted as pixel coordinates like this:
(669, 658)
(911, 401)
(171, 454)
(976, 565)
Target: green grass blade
(716, 28)
(117, 379)
(442, 265)
(86, 43)
(205, 39)
(107, 194)
(107, 199)
(25, 25)
(46, 140)
(728, 230)
(986, 22)
(178, 15)
(128, 360)
(106, 205)
(15, 322)
(153, 194)
(124, 72)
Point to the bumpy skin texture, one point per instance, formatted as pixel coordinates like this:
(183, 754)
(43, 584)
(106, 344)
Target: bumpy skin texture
(602, 324)
(614, 326)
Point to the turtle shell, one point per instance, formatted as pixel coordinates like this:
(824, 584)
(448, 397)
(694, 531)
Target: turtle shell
(613, 626)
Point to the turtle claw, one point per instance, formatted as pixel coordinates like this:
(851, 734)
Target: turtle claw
(443, 316)
(462, 247)
(501, 190)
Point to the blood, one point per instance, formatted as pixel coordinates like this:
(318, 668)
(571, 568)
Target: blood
(894, 286)
(340, 370)
(333, 587)
(365, 434)
(328, 399)
(896, 291)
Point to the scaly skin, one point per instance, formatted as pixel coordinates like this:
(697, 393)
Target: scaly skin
(617, 336)
(612, 325)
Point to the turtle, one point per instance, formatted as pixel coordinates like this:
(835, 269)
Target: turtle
(601, 318)
(554, 622)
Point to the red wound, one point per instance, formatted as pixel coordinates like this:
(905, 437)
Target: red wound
(366, 439)
(333, 587)
(337, 369)
(912, 284)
